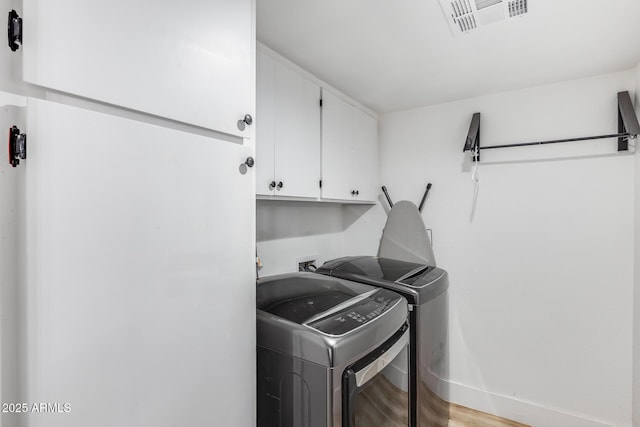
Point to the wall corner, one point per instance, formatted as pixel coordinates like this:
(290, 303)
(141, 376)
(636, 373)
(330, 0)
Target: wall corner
(636, 274)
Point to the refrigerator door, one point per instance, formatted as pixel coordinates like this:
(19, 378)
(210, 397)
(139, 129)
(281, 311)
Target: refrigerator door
(188, 61)
(140, 274)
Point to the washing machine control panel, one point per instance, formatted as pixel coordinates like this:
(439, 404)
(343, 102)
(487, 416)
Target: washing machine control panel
(362, 312)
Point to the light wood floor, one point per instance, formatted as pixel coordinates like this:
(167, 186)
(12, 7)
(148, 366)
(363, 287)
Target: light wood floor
(445, 414)
(461, 416)
(381, 404)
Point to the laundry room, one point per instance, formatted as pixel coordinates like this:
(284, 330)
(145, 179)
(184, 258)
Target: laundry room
(286, 213)
(540, 242)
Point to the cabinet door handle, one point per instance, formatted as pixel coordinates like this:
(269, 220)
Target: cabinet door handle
(353, 192)
(280, 185)
(14, 31)
(357, 192)
(246, 121)
(272, 185)
(250, 162)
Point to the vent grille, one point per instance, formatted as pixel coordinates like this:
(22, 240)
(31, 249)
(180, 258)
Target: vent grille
(462, 15)
(517, 8)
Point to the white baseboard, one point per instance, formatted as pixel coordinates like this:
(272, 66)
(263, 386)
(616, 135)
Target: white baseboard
(398, 372)
(397, 377)
(518, 410)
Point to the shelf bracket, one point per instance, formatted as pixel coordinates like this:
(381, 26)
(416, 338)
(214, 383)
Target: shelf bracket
(627, 120)
(473, 138)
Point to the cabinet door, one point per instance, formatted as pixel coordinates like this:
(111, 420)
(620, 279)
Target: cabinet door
(265, 124)
(188, 61)
(140, 273)
(337, 147)
(297, 146)
(365, 163)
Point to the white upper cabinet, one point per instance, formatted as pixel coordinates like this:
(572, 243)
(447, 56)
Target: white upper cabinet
(337, 147)
(265, 123)
(365, 162)
(188, 61)
(349, 151)
(287, 131)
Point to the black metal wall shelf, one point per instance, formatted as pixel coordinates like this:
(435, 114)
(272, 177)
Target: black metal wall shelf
(628, 127)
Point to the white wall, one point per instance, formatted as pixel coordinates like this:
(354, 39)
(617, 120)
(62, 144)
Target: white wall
(636, 294)
(287, 231)
(542, 275)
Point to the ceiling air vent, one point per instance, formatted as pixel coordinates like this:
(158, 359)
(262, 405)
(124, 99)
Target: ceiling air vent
(462, 15)
(517, 7)
(467, 15)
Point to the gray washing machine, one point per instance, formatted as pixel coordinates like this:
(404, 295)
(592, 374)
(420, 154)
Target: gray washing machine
(426, 290)
(326, 350)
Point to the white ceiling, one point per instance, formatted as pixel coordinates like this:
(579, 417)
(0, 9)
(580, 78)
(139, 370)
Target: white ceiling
(397, 54)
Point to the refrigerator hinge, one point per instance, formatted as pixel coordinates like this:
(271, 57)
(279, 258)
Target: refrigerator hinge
(17, 146)
(14, 30)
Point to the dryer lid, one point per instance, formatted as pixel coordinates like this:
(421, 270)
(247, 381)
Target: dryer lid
(418, 283)
(385, 269)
